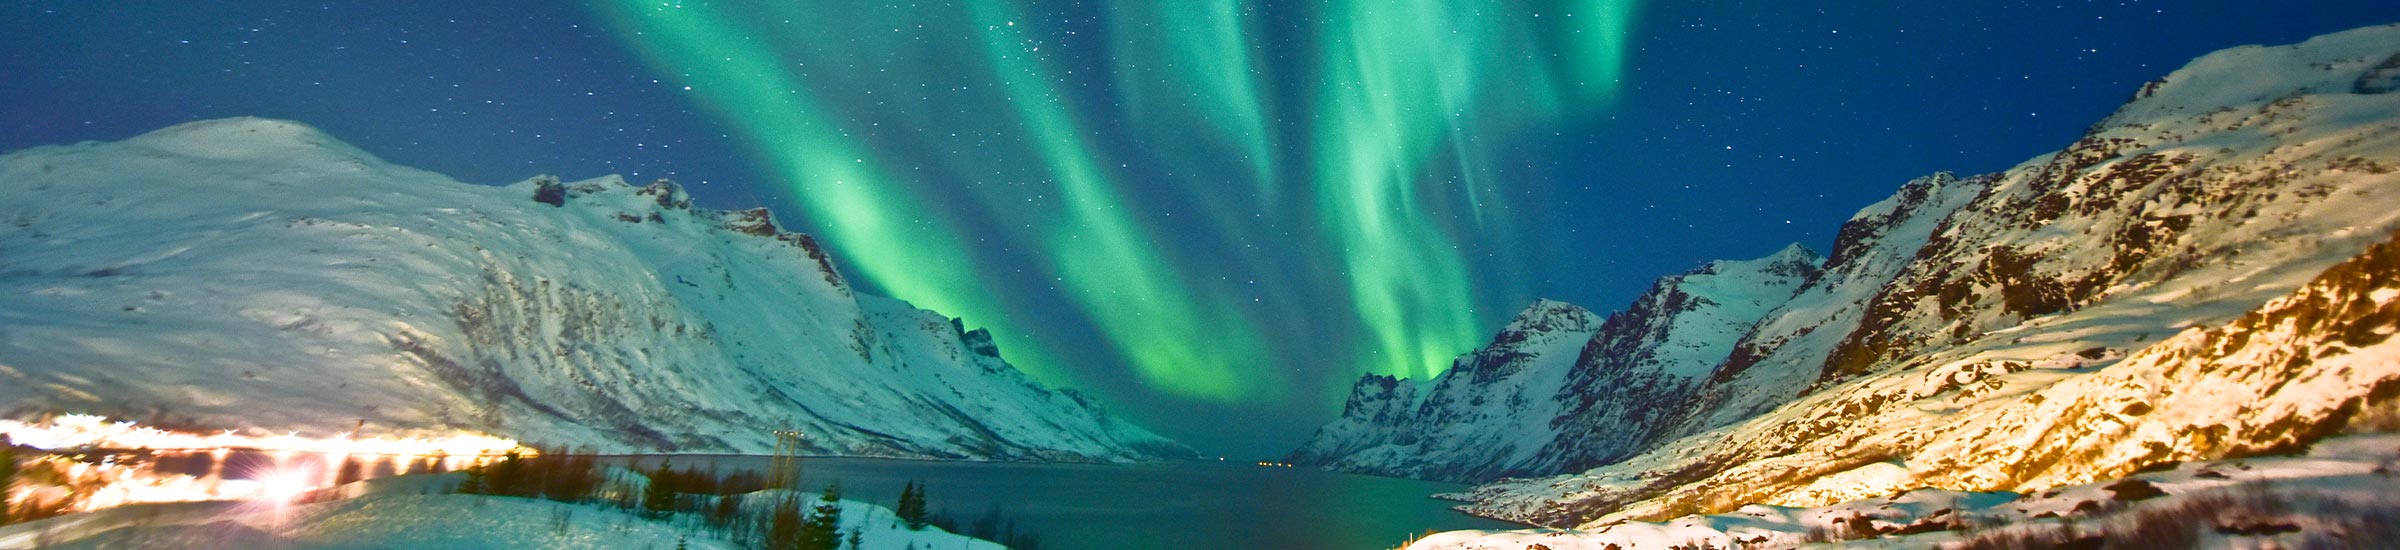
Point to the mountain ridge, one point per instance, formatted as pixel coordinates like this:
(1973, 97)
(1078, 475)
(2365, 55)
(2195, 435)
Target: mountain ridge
(254, 273)
(1524, 381)
(2218, 190)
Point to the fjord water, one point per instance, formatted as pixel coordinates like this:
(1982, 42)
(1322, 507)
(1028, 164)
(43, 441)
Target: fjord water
(1168, 506)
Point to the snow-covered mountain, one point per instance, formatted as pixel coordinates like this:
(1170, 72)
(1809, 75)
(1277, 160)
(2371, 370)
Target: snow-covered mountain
(1476, 417)
(1558, 387)
(2206, 273)
(249, 273)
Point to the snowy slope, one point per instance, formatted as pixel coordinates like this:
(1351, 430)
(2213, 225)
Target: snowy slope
(249, 273)
(1557, 375)
(1781, 355)
(2200, 276)
(2331, 497)
(1646, 361)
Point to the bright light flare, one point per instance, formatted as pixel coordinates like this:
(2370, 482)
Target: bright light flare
(97, 432)
(87, 486)
(284, 486)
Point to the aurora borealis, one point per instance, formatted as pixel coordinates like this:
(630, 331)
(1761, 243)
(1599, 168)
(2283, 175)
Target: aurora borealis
(1374, 168)
(1198, 211)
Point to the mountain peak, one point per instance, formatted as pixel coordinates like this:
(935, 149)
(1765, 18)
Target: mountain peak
(252, 139)
(1795, 252)
(2347, 62)
(1545, 315)
(1793, 260)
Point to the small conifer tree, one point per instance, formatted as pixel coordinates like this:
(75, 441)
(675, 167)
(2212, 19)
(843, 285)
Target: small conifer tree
(823, 530)
(907, 491)
(659, 500)
(912, 506)
(474, 484)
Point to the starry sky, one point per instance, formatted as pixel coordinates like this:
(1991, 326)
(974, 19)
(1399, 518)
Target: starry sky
(1213, 214)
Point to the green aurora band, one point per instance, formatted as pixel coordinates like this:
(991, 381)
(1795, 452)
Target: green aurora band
(1372, 157)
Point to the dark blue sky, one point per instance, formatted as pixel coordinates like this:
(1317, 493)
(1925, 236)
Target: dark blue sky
(1738, 127)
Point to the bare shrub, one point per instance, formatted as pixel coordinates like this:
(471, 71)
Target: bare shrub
(2045, 538)
(2185, 522)
(2376, 416)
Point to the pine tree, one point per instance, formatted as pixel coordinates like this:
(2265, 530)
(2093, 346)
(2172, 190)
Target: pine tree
(912, 506)
(823, 530)
(907, 491)
(474, 485)
(659, 500)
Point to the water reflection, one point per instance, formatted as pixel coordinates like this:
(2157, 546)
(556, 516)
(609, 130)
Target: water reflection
(1187, 505)
(1169, 506)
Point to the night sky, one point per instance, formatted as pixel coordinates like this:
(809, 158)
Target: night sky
(1214, 214)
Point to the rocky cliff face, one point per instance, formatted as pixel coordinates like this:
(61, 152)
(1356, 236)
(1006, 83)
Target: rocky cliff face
(1555, 376)
(1480, 416)
(254, 273)
(1781, 356)
(1643, 367)
(1380, 410)
(2196, 277)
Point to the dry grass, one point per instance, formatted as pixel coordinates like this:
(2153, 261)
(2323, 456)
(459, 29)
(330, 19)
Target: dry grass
(2317, 521)
(2376, 416)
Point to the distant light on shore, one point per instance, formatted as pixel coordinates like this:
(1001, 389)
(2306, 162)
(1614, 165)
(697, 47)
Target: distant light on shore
(79, 431)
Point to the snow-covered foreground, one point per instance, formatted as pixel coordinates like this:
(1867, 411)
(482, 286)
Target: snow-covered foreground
(418, 512)
(2338, 495)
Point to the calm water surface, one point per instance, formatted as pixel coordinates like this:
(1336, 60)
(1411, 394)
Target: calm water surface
(1179, 505)
(1166, 506)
